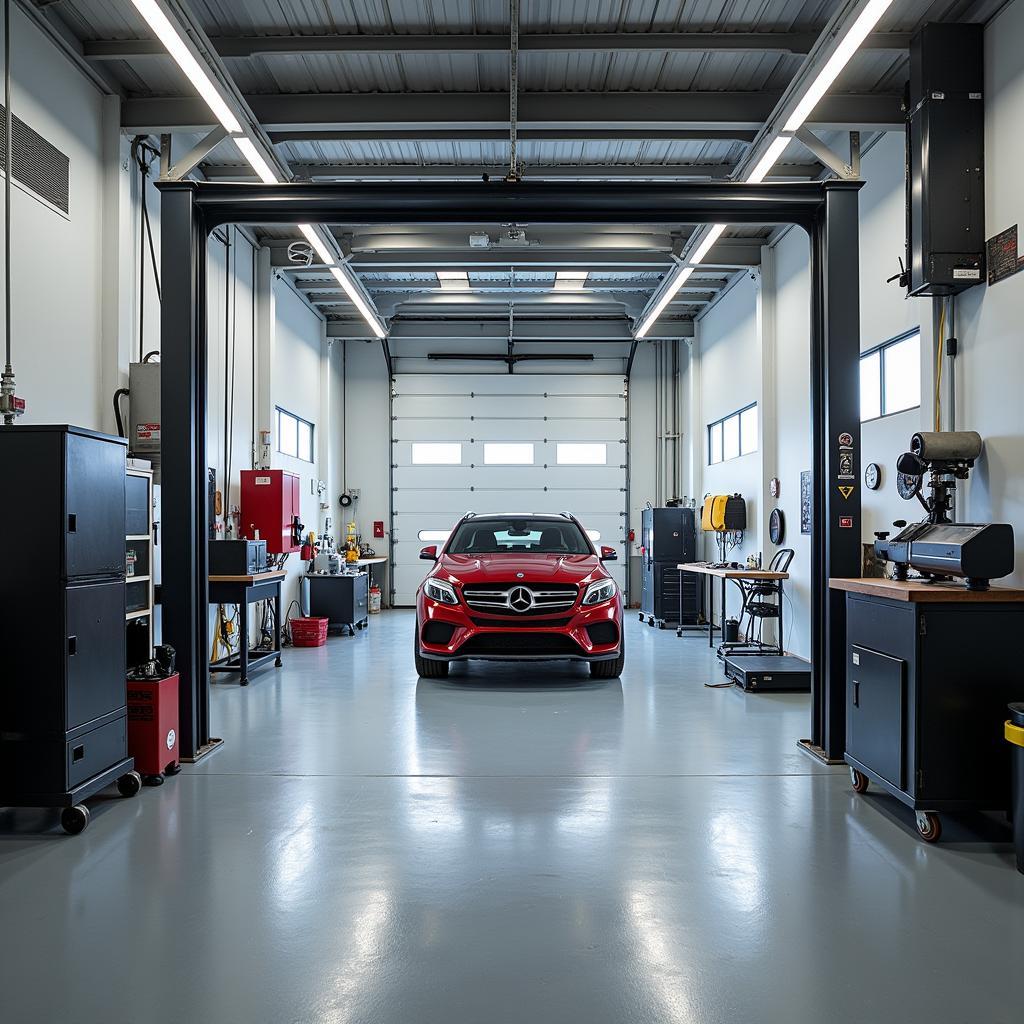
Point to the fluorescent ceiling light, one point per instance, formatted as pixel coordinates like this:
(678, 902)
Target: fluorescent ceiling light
(344, 278)
(314, 239)
(570, 280)
(176, 47)
(267, 175)
(767, 162)
(453, 280)
(682, 273)
(705, 246)
(840, 58)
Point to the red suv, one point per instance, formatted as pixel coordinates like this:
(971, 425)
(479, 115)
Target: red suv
(519, 586)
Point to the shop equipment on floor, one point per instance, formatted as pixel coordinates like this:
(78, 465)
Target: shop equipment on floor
(63, 705)
(342, 598)
(927, 685)
(669, 536)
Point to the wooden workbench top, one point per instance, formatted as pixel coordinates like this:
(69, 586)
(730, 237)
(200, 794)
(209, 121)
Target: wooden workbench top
(732, 574)
(922, 591)
(260, 577)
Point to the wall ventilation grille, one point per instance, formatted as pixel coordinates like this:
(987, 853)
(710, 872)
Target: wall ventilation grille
(38, 165)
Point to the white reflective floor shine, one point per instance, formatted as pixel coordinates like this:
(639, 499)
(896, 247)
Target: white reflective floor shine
(508, 845)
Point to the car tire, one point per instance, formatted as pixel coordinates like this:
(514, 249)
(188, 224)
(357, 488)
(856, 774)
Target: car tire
(610, 669)
(425, 668)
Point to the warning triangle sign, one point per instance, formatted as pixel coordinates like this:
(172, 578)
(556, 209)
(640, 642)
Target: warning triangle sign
(845, 490)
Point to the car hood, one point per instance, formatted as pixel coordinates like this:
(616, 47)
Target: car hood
(535, 568)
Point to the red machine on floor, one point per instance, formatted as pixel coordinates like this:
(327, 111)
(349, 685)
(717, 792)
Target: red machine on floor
(270, 509)
(153, 727)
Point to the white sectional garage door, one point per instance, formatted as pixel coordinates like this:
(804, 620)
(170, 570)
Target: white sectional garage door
(516, 443)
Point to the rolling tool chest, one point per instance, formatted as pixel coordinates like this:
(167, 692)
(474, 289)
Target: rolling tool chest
(63, 724)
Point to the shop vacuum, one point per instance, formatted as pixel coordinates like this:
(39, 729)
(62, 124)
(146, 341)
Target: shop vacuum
(153, 717)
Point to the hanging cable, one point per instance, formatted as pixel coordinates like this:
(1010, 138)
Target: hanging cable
(143, 155)
(513, 90)
(9, 403)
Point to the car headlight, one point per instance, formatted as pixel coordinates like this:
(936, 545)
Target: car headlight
(438, 590)
(602, 590)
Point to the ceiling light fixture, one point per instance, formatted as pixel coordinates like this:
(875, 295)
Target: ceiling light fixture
(767, 162)
(179, 50)
(666, 297)
(570, 280)
(352, 289)
(314, 239)
(707, 241)
(265, 172)
(847, 47)
(453, 280)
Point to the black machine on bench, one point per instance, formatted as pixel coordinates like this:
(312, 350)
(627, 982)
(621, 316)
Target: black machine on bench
(939, 548)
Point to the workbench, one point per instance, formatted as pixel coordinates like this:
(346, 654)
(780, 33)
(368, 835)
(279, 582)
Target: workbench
(711, 573)
(244, 591)
(927, 684)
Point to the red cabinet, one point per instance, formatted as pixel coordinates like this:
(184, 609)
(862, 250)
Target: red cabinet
(270, 509)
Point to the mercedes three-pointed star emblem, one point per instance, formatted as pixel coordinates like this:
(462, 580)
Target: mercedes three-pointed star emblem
(520, 599)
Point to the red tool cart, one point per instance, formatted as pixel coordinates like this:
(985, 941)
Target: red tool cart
(153, 727)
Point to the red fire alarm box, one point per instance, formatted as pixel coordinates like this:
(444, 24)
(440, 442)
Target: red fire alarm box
(378, 528)
(270, 509)
(153, 726)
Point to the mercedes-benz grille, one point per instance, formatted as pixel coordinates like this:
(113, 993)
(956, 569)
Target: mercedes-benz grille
(521, 598)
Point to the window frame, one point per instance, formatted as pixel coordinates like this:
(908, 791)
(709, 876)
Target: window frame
(559, 445)
(508, 445)
(280, 411)
(720, 423)
(414, 445)
(880, 351)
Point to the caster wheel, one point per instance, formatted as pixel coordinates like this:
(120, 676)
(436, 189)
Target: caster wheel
(153, 780)
(641, 616)
(74, 819)
(173, 769)
(679, 632)
(929, 826)
(650, 621)
(661, 625)
(130, 784)
(243, 682)
(278, 663)
(859, 780)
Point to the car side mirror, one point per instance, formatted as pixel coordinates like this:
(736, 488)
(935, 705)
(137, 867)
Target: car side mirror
(609, 554)
(430, 553)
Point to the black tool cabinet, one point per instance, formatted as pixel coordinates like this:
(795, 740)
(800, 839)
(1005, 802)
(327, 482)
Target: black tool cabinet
(63, 718)
(927, 684)
(669, 537)
(343, 599)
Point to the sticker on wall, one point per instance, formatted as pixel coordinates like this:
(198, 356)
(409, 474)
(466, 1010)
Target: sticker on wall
(845, 440)
(846, 522)
(845, 490)
(846, 465)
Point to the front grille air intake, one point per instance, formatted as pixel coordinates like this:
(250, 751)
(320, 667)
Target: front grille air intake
(520, 599)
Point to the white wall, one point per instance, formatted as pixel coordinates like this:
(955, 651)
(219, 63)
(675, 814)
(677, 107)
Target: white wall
(57, 277)
(730, 379)
(991, 325)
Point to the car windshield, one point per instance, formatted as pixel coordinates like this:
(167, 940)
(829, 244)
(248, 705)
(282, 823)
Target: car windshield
(527, 536)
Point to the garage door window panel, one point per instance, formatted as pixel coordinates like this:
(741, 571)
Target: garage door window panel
(435, 453)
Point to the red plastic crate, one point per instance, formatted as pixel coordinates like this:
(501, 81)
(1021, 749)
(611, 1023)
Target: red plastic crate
(308, 632)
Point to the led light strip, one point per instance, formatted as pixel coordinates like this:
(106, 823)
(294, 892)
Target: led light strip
(176, 46)
(848, 46)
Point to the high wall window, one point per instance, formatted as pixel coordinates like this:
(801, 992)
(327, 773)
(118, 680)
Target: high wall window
(733, 435)
(890, 377)
(294, 435)
(436, 453)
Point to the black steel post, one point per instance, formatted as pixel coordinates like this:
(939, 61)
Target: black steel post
(835, 430)
(183, 456)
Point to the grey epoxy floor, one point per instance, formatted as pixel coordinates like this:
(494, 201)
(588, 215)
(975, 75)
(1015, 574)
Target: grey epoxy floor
(509, 845)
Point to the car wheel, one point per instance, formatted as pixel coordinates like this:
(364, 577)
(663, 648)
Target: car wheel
(426, 668)
(610, 669)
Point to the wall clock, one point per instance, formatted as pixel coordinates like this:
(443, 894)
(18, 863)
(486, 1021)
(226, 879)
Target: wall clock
(777, 526)
(872, 476)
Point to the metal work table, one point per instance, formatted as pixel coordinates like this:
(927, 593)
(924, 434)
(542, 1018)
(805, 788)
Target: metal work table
(244, 591)
(710, 573)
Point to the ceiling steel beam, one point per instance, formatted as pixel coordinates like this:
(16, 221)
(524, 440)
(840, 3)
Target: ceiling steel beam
(617, 329)
(534, 172)
(444, 43)
(596, 132)
(728, 253)
(683, 110)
